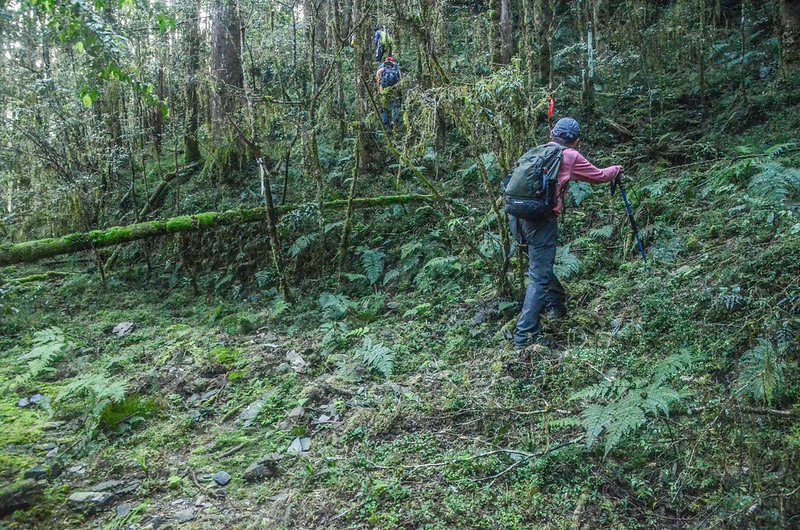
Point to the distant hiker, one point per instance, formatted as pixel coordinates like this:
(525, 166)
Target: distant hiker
(535, 193)
(387, 78)
(382, 41)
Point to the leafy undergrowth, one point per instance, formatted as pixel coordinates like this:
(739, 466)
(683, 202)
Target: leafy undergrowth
(669, 399)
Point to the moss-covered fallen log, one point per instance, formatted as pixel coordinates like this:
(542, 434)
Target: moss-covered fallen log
(31, 251)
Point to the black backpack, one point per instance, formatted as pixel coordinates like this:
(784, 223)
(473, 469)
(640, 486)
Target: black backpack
(530, 193)
(390, 77)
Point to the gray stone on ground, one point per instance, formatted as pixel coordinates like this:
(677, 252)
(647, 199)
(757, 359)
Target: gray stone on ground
(36, 399)
(296, 413)
(296, 361)
(124, 509)
(36, 473)
(262, 469)
(90, 498)
(24, 402)
(108, 485)
(184, 516)
(299, 445)
(249, 414)
(123, 329)
(18, 495)
(222, 478)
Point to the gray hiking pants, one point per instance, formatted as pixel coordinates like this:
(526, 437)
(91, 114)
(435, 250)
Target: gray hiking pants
(544, 290)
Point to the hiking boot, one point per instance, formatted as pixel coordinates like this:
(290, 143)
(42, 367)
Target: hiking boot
(556, 313)
(538, 341)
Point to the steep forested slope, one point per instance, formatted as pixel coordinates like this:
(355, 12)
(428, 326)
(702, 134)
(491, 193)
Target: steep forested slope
(178, 381)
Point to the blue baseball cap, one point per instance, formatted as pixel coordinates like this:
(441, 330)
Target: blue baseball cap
(567, 129)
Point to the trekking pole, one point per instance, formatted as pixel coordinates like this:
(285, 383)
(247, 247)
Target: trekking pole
(629, 210)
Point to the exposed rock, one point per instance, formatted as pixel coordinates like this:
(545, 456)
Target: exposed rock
(184, 516)
(156, 522)
(296, 413)
(108, 485)
(262, 469)
(18, 496)
(123, 329)
(90, 498)
(124, 509)
(36, 399)
(36, 473)
(79, 469)
(296, 361)
(299, 446)
(249, 415)
(222, 478)
(24, 402)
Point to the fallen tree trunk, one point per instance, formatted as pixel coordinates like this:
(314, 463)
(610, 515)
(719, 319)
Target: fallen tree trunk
(31, 251)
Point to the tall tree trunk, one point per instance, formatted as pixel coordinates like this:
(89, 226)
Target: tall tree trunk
(542, 15)
(701, 53)
(191, 144)
(527, 45)
(495, 45)
(743, 36)
(790, 16)
(506, 32)
(585, 27)
(226, 66)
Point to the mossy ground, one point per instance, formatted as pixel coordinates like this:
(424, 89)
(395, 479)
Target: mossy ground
(446, 441)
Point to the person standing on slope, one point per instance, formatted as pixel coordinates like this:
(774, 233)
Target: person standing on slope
(387, 79)
(559, 161)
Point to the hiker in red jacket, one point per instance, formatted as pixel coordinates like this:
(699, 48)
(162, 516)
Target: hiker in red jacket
(545, 292)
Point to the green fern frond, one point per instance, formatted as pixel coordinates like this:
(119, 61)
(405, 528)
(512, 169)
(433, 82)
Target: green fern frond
(600, 391)
(334, 306)
(775, 183)
(579, 191)
(595, 419)
(377, 357)
(761, 372)
(48, 347)
(410, 249)
(302, 243)
(625, 417)
(97, 391)
(567, 263)
(603, 232)
(372, 261)
(658, 398)
(780, 149)
(616, 409)
(672, 366)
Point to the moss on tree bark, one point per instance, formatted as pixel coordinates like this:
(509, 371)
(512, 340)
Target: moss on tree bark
(31, 251)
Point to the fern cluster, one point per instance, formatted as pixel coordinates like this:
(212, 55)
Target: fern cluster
(376, 356)
(97, 391)
(615, 409)
(334, 306)
(437, 270)
(775, 184)
(48, 348)
(761, 372)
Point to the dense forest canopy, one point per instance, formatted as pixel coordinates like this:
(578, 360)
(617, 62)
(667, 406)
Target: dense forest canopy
(222, 236)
